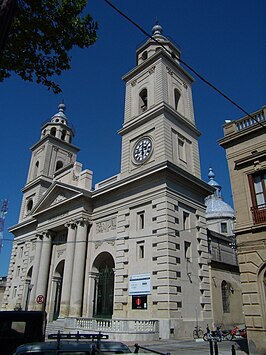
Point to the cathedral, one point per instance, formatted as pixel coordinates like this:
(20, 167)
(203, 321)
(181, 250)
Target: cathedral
(130, 254)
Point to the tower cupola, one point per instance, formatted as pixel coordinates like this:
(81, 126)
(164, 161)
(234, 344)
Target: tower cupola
(157, 42)
(58, 126)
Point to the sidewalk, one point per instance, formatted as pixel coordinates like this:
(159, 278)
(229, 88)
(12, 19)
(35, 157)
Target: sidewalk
(190, 347)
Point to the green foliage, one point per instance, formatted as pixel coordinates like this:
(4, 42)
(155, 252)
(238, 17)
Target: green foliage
(42, 34)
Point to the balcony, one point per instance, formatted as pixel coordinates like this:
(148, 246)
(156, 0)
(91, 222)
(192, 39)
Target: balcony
(255, 119)
(259, 214)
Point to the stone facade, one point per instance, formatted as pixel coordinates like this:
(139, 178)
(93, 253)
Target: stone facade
(244, 141)
(120, 251)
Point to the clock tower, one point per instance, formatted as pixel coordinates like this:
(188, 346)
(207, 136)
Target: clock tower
(54, 151)
(159, 119)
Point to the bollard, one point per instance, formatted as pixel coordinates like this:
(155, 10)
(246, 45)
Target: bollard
(211, 347)
(233, 350)
(215, 348)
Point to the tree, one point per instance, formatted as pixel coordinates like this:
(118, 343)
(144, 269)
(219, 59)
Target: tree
(41, 36)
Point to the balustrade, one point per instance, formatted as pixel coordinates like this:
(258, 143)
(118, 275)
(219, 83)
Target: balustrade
(117, 325)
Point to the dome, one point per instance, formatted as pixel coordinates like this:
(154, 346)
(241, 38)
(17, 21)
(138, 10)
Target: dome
(216, 207)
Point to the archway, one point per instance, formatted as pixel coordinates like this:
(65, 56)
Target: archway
(57, 288)
(104, 286)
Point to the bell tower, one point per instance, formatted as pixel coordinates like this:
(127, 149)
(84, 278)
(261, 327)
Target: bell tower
(53, 151)
(159, 120)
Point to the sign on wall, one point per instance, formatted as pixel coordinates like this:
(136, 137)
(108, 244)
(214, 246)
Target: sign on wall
(140, 284)
(139, 302)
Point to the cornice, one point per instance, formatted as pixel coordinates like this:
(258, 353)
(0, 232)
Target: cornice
(161, 53)
(154, 112)
(53, 140)
(167, 166)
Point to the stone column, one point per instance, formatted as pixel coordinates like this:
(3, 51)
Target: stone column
(41, 289)
(35, 271)
(68, 269)
(78, 270)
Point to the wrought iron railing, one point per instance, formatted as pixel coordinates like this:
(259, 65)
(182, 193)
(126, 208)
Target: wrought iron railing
(259, 214)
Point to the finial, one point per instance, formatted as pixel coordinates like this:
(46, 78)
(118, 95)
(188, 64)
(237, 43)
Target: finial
(211, 174)
(62, 107)
(157, 29)
(214, 183)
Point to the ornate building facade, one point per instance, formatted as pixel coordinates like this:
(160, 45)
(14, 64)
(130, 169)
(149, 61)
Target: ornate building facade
(244, 142)
(133, 250)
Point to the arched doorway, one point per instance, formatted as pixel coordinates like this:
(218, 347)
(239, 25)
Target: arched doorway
(57, 288)
(104, 286)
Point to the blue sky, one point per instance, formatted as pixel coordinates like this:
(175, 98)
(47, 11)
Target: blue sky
(223, 40)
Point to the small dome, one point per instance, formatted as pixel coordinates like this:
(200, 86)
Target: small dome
(216, 207)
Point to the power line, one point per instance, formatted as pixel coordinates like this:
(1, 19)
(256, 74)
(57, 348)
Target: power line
(183, 62)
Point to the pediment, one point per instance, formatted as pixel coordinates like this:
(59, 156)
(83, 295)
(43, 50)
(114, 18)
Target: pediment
(55, 196)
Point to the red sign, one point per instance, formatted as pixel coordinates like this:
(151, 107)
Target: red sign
(40, 299)
(138, 301)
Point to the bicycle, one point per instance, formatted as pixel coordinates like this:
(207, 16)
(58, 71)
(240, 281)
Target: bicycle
(197, 332)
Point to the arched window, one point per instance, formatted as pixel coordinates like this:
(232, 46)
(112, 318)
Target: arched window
(63, 135)
(29, 205)
(59, 165)
(225, 288)
(53, 131)
(177, 98)
(143, 100)
(144, 55)
(36, 169)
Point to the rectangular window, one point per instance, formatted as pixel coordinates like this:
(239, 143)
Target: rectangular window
(141, 220)
(141, 251)
(257, 184)
(18, 271)
(20, 252)
(187, 250)
(186, 222)
(15, 292)
(182, 150)
(260, 190)
(223, 227)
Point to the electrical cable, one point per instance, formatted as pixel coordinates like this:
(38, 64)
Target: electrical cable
(183, 62)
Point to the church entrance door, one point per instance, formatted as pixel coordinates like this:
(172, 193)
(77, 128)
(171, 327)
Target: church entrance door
(104, 290)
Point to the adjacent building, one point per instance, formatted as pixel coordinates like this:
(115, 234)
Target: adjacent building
(244, 142)
(225, 284)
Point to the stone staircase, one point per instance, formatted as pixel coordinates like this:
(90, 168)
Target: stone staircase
(55, 326)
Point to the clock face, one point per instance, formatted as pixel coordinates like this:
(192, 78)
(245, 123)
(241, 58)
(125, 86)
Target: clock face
(142, 150)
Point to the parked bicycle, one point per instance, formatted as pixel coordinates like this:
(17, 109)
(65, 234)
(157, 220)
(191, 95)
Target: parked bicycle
(197, 332)
(216, 335)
